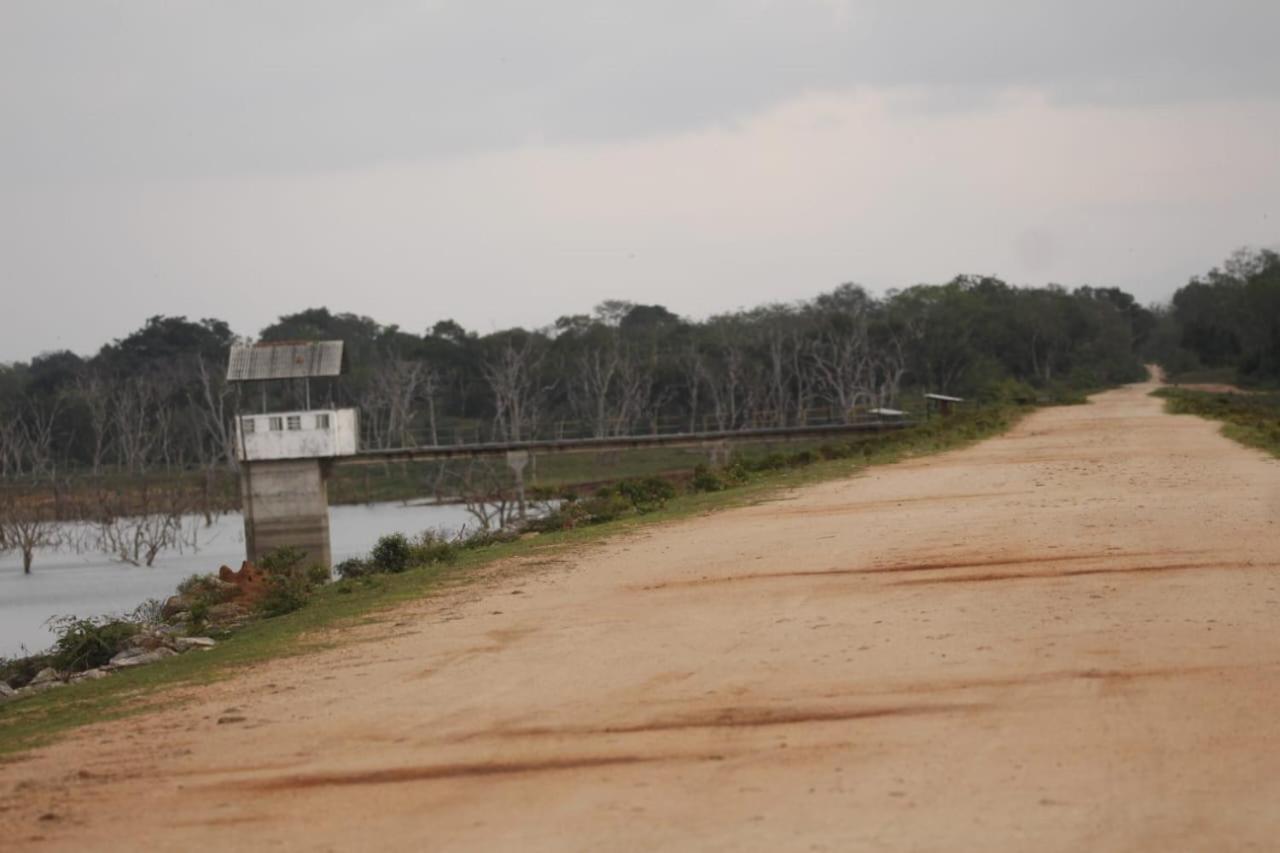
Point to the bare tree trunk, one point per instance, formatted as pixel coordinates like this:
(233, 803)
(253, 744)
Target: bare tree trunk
(96, 392)
(216, 413)
(512, 378)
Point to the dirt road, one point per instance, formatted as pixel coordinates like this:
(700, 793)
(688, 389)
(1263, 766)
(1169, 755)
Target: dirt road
(1062, 639)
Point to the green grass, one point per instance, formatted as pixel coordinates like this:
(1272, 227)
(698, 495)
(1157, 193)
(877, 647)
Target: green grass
(1221, 376)
(1251, 419)
(1207, 376)
(39, 719)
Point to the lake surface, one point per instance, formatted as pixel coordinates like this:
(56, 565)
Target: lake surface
(64, 583)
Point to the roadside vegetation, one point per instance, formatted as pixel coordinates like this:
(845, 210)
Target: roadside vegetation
(301, 605)
(1223, 327)
(1249, 418)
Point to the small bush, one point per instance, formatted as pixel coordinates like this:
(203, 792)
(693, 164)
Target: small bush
(706, 480)
(735, 473)
(429, 548)
(353, 568)
(486, 538)
(285, 594)
(598, 510)
(801, 458)
(88, 643)
(17, 672)
(1009, 391)
(290, 581)
(148, 612)
(769, 462)
(391, 553)
(192, 584)
(559, 519)
(199, 611)
(206, 588)
(606, 505)
(646, 494)
(283, 561)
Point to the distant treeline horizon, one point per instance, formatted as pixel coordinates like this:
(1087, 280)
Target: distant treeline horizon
(157, 398)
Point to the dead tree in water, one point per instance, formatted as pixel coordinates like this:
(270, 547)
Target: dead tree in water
(482, 487)
(154, 521)
(26, 527)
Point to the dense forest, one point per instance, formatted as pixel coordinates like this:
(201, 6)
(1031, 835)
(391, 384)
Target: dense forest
(157, 399)
(1227, 321)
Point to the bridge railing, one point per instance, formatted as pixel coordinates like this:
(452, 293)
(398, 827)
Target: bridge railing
(486, 433)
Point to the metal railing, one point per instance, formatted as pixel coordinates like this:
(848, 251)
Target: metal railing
(484, 434)
(707, 438)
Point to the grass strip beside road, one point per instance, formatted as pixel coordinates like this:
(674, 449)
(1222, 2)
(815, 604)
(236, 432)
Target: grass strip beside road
(39, 719)
(1252, 419)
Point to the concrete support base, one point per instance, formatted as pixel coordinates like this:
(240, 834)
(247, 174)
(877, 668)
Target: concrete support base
(719, 454)
(517, 460)
(286, 503)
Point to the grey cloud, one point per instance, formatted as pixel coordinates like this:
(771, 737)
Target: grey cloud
(168, 89)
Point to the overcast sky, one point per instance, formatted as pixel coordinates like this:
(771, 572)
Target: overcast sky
(504, 163)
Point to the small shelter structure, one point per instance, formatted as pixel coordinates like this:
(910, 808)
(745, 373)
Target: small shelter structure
(941, 403)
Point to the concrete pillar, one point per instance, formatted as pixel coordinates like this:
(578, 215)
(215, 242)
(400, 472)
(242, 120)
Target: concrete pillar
(516, 460)
(286, 503)
(719, 454)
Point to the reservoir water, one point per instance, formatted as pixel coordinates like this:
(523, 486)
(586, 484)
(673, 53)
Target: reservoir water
(65, 583)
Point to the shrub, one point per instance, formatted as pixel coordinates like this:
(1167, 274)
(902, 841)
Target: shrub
(206, 588)
(735, 473)
(318, 575)
(88, 643)
(193, 585)
(606, 505)
(429, 548)
(282, 561)
(600, 509)
(485, 538)
(391, 553)
(768, 462)
(706, 480)
(803, 457)
(17, 672)
(285, 594)
(353, 568)
(1009, 391)
(148, 612)
(560, 519)
(199, 611)
(289, 581)
(646, 494)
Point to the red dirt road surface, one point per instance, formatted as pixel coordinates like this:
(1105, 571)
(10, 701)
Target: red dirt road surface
(1066, 638)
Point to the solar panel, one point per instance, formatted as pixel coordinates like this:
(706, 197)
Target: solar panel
(284, 360)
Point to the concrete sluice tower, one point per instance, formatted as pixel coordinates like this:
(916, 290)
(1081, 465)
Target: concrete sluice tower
(285, 456)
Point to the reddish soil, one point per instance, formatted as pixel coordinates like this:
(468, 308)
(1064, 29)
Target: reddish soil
(1061, 639)
(249, 579)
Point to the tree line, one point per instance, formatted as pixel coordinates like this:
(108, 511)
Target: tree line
(1227, 320)
(157, 399)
